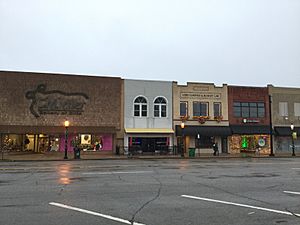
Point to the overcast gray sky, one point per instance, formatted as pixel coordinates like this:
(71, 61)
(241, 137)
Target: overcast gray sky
(244, 42)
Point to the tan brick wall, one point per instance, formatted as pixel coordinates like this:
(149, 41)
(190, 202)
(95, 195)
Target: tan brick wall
(283, 94)
(102, 109)
(185, 93)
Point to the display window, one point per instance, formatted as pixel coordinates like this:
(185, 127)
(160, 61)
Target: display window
(96, 142)
(204, 142)
(244, 143)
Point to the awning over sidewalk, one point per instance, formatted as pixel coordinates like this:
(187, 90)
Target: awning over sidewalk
(149, 130)
(7, 129)
(204, 130)
(237, 129)
(285, 131)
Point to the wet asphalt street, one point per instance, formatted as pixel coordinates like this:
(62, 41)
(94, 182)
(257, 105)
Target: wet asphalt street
(151, 192)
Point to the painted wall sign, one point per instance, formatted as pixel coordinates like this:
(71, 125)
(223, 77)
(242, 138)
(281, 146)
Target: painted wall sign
(200, 95)
(201, 88)
(55, 102)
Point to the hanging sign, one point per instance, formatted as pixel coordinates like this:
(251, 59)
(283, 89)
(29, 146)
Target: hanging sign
(294, 135)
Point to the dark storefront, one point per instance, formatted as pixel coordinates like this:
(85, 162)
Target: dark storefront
(205, 136)
(286, 139)
(149, 141)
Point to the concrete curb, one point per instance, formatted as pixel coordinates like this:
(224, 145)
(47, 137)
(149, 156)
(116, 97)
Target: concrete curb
(87, 158)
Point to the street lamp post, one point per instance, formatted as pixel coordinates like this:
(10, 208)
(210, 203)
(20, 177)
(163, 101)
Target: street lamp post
(67, 123)
(293, 144)
(182, 137)
(271, 126)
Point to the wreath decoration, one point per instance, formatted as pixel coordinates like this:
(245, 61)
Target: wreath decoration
(202, 119)
(218, 118)
(184, 118)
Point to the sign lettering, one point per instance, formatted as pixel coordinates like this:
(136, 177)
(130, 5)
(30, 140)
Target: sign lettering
(55, 102)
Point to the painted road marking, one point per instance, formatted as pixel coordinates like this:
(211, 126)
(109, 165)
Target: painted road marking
(295, 168)
(94, 213)
(240, 205)
(117, 172)
(292, 192)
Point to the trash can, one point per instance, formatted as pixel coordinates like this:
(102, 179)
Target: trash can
(76, 153)
(191, 152)
(117, 150)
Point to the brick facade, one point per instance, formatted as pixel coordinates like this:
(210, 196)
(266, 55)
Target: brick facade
(101, 109)
(247, 94)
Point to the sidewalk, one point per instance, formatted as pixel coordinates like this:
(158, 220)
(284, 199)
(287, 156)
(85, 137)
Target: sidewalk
(59, 156)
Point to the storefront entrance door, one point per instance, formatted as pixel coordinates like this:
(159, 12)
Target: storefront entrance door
(224, 145)
(148, 144)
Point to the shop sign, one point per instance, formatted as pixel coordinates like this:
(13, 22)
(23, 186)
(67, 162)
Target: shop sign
(200, 95)
(250, 121)
(55, 102)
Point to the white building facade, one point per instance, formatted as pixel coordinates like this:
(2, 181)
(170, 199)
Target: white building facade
(148, 116)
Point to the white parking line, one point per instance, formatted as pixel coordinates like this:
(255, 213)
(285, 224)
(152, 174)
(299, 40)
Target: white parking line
(240, 205)
(117, 172)
(292, 192)
(94, 213)
(295, 168)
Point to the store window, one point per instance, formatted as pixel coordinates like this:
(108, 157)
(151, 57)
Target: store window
(160, 107)
(249, 109)
(283, 109)
(245, 109)
(261, 110)
(253, 142)
(237, 110)
(217, 109)
(96, 142)
(297, 109)
(204, 142)
(200, 108)
(140, 107)
(184, 109)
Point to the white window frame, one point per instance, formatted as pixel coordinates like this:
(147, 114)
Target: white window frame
(160, 107)
(201, 103)
(186, 108)
(283, 109)
(140, 104)
(220, 108)
(297, 108)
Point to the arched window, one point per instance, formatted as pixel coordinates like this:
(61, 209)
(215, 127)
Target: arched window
(140, 107)
(160, 107)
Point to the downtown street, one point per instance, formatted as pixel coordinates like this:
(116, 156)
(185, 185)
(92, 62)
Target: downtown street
(215, 191)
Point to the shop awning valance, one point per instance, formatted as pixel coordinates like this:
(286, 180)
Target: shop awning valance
(285, 131)
(7, 129)
(204, 130)
(237, 129)
(149, 130)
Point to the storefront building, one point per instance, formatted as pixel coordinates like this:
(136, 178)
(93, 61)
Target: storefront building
(148, 116)
(203, 110)
(285, 115)
(249, 119)
(35, 106)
